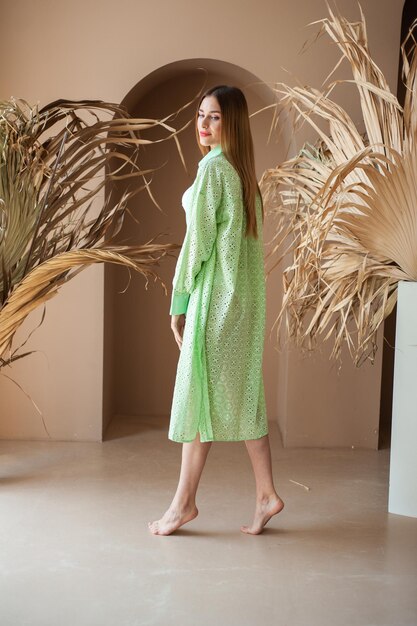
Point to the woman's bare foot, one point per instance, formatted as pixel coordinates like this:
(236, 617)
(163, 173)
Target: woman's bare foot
(173, 519)
(264, 510)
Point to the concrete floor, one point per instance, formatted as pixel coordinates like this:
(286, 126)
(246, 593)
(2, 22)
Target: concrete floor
(76, 549)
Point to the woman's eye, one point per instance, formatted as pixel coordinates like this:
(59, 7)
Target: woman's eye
(213, 117)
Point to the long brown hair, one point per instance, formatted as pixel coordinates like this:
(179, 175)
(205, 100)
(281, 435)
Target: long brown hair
(237, 146)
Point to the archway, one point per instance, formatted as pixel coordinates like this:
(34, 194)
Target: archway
(140, 354)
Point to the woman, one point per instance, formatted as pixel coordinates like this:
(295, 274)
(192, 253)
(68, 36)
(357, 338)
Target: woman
(218, 312)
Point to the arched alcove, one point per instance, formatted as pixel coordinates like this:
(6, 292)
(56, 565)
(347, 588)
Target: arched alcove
(140, 353)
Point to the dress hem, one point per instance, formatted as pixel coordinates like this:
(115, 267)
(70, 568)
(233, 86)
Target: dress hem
(207, 440)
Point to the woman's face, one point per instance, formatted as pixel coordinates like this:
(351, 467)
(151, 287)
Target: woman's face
(209, 122)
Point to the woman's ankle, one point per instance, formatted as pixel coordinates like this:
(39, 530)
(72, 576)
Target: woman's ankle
(183, 503)
(266, 496)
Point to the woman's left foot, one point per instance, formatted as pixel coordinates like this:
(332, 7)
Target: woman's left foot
(173, 519)
(265, 509)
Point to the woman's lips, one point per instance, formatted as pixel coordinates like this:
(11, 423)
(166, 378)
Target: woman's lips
(204, 134)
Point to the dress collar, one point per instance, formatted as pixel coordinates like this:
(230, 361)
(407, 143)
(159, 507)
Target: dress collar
(212, 153)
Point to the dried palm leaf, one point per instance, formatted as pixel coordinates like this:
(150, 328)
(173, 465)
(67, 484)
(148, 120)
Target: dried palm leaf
(54, 162)
(346, 206)
(42, 283)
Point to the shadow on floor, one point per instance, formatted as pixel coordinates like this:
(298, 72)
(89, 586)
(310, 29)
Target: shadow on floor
(122, 426)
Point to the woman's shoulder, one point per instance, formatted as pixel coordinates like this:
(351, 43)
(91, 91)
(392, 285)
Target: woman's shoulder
(221, 166)
(217, 162)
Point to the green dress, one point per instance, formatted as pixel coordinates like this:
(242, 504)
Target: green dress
(219, 283)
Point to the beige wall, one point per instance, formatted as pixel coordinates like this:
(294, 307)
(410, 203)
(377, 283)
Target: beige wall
(139, 53)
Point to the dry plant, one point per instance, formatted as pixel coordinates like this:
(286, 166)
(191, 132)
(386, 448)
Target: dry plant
(347, 205)
(54, 162)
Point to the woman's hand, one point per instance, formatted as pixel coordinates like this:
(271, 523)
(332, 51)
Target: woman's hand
(177, 325)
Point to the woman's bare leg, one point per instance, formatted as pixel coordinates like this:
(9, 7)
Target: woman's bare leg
(182, 508)
(268, 502)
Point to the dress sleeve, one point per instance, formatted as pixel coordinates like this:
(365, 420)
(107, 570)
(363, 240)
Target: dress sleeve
(199, 237)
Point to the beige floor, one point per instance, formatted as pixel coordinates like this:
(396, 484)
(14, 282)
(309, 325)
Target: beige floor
(76, 549)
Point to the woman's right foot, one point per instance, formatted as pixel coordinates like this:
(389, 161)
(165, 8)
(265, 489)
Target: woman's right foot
(173, 519)
(264, 510)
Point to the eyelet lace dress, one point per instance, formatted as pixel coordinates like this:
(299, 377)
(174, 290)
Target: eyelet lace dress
(219, 283)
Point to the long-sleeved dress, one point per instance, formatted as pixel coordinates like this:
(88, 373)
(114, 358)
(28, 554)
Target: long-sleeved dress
(219, 283)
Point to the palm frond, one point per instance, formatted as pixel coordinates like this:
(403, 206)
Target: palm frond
(346, 206)
(54, 165)
(43, 282)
